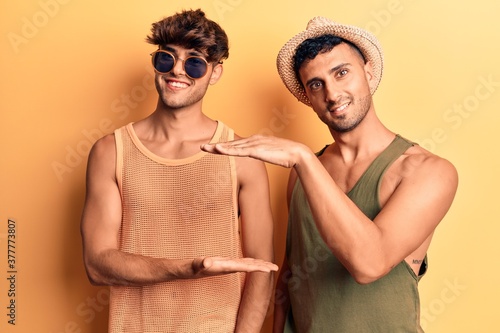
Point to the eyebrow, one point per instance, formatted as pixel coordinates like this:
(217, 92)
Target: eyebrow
(332, 70)
(190, 53)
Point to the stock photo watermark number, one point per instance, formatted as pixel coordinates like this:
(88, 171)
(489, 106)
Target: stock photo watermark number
(11, 272)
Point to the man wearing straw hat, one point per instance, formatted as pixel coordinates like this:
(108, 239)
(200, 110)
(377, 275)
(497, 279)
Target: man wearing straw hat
(364, 209)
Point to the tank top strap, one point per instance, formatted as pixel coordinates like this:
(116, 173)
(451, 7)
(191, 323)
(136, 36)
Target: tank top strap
(119, 139)
(227, 133)
(365, 191)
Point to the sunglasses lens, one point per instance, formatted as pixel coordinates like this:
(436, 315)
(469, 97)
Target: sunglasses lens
(163, 62)
(195, 67)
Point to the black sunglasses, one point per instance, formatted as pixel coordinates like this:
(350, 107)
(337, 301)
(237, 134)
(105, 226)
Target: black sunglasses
(164, 61)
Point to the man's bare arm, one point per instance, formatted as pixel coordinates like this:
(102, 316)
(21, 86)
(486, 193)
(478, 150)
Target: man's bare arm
(281, 298)
(368, 249)
(281, 295)
(257, 242)
(100, 225)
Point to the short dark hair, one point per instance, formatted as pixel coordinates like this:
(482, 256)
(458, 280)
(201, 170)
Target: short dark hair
(192, 30)
(311, 47)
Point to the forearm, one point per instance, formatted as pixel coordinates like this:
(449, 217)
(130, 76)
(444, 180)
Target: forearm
(281, 303)
(114, 267)
(254, 302)
(352, 237)
(280, 314)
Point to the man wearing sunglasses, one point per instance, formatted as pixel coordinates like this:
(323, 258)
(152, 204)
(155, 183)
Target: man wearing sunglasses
(183, 237)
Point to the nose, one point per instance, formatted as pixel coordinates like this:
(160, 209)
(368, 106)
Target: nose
(178, 67)
(332, 91)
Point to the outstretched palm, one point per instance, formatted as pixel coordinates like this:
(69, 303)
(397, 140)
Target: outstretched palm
(212, 266)
(269, 149)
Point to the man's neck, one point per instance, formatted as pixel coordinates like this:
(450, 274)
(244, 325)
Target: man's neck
(369, 137)
(182, 124)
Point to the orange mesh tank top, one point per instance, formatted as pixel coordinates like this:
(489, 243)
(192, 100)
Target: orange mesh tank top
(179, 209)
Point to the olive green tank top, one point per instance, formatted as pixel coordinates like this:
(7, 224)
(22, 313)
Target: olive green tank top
(324, 297)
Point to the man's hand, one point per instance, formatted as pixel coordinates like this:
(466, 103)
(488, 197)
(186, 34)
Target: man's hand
(271, 149)
(212, 266)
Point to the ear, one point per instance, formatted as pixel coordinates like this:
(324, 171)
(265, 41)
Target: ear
(216, 73)
(370, 78)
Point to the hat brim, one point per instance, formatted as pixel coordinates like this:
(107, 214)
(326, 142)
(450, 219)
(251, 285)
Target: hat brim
(365, 41)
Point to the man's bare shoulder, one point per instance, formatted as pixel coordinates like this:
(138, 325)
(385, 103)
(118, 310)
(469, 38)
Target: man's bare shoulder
(104, 147)
(249, 169)
(419, 186)
(102, 157)
(417, 160)
(421, 170)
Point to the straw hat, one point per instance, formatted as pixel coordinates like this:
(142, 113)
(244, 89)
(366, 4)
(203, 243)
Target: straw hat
(318, 26)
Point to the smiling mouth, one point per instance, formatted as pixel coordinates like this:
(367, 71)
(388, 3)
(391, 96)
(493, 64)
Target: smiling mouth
(177, 84)
(340, 108)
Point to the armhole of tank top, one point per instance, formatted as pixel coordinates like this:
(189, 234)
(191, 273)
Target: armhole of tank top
(410, 270)
(408, 145)
(119, 158)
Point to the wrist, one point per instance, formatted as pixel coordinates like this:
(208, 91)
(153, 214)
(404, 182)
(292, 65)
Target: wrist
(180, 269)
(303, 155)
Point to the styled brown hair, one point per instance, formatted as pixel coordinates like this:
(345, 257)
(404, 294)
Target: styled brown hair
(192, 30)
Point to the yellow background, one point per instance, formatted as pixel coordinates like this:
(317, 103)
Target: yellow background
(72, 71)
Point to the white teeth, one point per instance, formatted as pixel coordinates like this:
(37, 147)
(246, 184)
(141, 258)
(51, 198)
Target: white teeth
(341, 108)
(177, 84)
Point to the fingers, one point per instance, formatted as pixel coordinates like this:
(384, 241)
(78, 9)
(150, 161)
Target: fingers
(208, 147)
(207, 263)
(213, 148)
(268, 266)
(248, 265)
(233, 147)
(256, 265)
(210, 266)
(226, 148)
